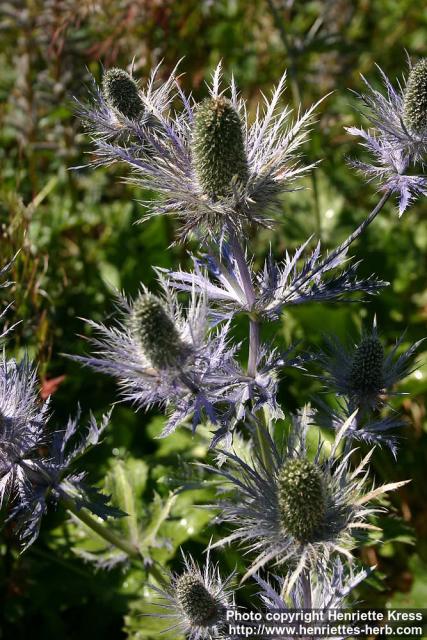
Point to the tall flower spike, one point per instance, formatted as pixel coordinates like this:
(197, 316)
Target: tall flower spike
(415, 99)
(218, 148)
(159, 355)
(196, 600)
(297, 510)
(121, 92)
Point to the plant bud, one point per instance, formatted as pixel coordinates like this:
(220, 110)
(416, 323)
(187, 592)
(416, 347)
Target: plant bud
(415, 99)
(198, 604)
(121, 92)
(151, 325)
(218, 148)
(302, 499)
(366, 375)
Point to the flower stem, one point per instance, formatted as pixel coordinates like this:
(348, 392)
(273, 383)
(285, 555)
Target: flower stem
(254, 343)
(262, 437)
(344, 246)
(131, 550)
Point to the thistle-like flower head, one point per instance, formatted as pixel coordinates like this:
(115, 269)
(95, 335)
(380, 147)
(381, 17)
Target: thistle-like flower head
(326, 587)
(415, 99)
(297, 510)
(207, 163)
(367, 367)
(161, 355)
(120, 111)
(153, 328)
(121, 92)
(34, 462)
(195, 601)
(301, 498)
(22, 427)
(218, 147)
(364, 373)
(398, 137)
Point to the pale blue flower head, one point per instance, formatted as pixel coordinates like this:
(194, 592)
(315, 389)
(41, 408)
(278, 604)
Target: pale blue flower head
(168, 158)
(23, 420)
(195, 601)
(326, 587)
(398, 136)
(363, 372)
(298, 511)
(164, 355)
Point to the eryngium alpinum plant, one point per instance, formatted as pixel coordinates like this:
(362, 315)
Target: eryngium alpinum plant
(221, 170)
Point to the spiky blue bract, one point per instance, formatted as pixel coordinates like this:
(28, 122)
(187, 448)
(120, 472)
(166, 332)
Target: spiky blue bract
(392, 170)
(195, 601)
(54, 477)
(200, 383)
(415, 99)
(121, 92)
(395, 144)
(35, 463)
(298, 278)
(373, 430)
(327, 587)
(363, 373)
(22, 428)
(272, 143)
(255, 507)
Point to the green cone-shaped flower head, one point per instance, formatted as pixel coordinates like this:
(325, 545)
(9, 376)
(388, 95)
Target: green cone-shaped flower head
(218, 148)
(415, 99)
(198, 604)
(367, 374)
(121, 92)
(302, 499)
(154, 329)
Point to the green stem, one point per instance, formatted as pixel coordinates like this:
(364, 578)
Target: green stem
(109, 536)
(264, 445)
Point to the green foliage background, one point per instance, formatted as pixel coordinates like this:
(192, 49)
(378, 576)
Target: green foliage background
(78, 239)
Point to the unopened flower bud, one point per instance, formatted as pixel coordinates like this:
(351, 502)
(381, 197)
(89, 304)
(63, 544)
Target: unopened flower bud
(415, 99)
(156, 332)
(302, 499)
(198, 604)
(121, 92)
(218, 147)
(367, 376)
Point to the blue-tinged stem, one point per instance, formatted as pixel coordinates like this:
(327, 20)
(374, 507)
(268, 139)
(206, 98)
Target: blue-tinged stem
(248, 288)
(254, 346)
(344, 246)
